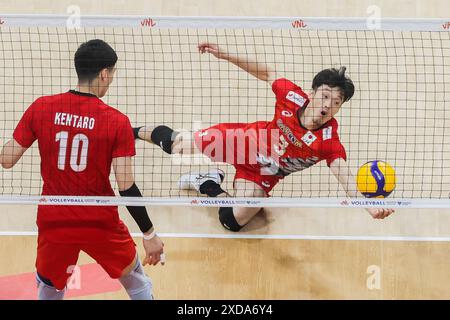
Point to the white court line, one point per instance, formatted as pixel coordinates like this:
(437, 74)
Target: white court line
(264, 236)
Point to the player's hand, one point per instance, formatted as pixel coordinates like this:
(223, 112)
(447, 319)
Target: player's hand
(213, 49)
(154, 248)
(377, 213)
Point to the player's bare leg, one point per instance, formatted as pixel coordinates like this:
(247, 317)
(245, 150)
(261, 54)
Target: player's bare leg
(181, 142)
(204, 182)
(184, 144)
(246, 189)
(209, 182)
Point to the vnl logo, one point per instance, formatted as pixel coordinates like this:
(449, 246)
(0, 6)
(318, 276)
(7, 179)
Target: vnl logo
(446, 26)
(2, 21)
(149, 22)
(299, 24)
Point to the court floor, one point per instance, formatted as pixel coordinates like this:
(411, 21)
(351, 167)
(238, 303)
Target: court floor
(277, 269)
(283, 254)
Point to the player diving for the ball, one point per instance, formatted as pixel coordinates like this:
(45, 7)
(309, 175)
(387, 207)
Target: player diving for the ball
(302, 133)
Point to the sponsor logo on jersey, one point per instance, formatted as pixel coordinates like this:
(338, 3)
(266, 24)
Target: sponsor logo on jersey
(286, 113)
(290, 165)
(309, 138)
(287, 166)
(203, 133)
(288, 133)
(265, 184)
(326, 133)
(296, 98)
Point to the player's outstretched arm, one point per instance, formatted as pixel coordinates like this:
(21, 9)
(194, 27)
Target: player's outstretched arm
(11, 153)
(154, 247)
(258, 70)
(344, 175)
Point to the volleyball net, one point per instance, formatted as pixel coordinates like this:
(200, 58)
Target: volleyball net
(398, 113)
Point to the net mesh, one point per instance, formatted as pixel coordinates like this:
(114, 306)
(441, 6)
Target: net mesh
(397, 114)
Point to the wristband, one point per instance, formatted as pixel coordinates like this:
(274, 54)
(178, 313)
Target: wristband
(149, 236)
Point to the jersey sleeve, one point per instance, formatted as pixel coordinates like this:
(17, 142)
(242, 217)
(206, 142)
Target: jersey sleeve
(289, 94)
(124, 145)
(282, 86)
(332, 146)
(24, 132)
(336, 151)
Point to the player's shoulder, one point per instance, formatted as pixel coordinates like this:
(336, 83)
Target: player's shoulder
(286, 91)
(333, 123)
(53, 97)
(113, 112)
(44, 101)
(284, 84)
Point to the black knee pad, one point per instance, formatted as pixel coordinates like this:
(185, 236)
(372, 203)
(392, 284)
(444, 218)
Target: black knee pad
(45, 280)
(228, 220)
(163, 136)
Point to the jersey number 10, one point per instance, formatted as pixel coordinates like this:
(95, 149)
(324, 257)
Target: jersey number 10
(78, 139)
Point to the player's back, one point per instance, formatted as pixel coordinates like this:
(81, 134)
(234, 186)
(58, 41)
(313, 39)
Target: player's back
(78, 136)
(76, 143)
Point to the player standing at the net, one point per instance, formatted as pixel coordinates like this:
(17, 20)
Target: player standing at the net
(302, 133)
(79, 138)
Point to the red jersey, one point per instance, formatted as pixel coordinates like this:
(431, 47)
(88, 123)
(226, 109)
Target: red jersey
(278, 147)
(78, 136)
(298, 148)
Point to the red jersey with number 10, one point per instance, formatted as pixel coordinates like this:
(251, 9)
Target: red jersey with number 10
(78, 136)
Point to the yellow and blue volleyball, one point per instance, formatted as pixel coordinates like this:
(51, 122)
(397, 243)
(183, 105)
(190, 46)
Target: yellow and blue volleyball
(376, 179)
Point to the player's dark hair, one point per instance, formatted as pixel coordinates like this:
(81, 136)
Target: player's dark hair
(92, 57)
(335, 78)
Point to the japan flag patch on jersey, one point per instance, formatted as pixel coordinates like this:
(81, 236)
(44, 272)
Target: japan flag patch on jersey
(295, 98)
(309, 138)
